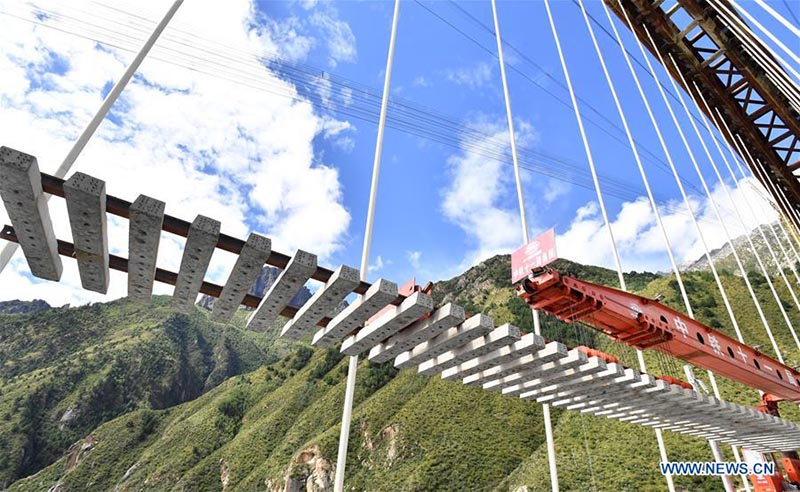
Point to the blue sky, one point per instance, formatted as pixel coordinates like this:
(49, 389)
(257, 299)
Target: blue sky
(208, 127)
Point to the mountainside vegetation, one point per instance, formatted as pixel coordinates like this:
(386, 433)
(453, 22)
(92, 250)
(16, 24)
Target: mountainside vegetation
(121, 396)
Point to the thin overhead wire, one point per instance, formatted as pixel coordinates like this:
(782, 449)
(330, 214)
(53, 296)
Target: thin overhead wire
(604, 124)
(240, 68)
(9, 249)
(364, 104)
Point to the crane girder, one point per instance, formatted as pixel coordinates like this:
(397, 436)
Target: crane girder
(647, 324)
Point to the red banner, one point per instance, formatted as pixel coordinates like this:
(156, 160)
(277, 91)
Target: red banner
(536, 253)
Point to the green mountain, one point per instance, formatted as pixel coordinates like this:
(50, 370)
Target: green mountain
(126, 397)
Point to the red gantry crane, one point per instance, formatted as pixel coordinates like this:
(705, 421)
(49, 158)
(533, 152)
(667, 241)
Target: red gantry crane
(647, 324)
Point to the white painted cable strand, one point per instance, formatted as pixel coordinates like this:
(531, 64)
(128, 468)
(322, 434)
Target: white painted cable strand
(771, 36)
(715, 207)
(685, 197)
(727, 483)
(352, 368)
(721, 124)
(643, 366)
(548, 423)
(778, 17)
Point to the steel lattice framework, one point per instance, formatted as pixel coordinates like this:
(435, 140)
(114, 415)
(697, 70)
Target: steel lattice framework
(739, 79)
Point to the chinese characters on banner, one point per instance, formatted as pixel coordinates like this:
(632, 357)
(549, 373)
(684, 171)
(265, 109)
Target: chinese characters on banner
(537, 253)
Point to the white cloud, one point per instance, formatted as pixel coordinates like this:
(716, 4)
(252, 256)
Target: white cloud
(202, 144)
(378, 264)
(640, 241)
(475, 200)
(414, 258)
(554, 190)
(340, 40)
(421, 81)
(473, 77)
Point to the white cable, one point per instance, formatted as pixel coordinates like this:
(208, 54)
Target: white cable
(771, 227)
(767, 198)
(726, 480)
(352, 368)
(771, 36)
(548, 424)
(715, 207)
(781, 198)
(692, 158)
(639, 164)
(766, 57)
(744, 151)
(509, 117)
(760, 263)
(9, 249)
(643, 366)
(712, 201)
(779, 17)
(720, 122)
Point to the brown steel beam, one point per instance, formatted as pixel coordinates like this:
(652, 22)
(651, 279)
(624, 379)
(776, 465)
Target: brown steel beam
(180, 227)
(667, 37)
(164, 276)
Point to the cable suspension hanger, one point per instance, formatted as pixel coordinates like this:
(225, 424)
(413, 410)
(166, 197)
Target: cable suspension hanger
(776, 191)
(548, 425)
(772, 38)
(715, 207)
(771, 227)
(781, 198)
(685, 197)
(657, 51)
(640, 357)
(727, 483)
(777, 16)
(742, 149)
(352, 368)
(720, 122)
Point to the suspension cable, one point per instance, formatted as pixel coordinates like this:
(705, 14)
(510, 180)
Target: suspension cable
(352, 369)
(763, 176)
(772, 38)
(780, 198)
(643, 366)
(743, 151)
(692, 158)
(783, 217)
(726, 480)
(779, 17)
(548, 425)
(722, 222)
(720, 123)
